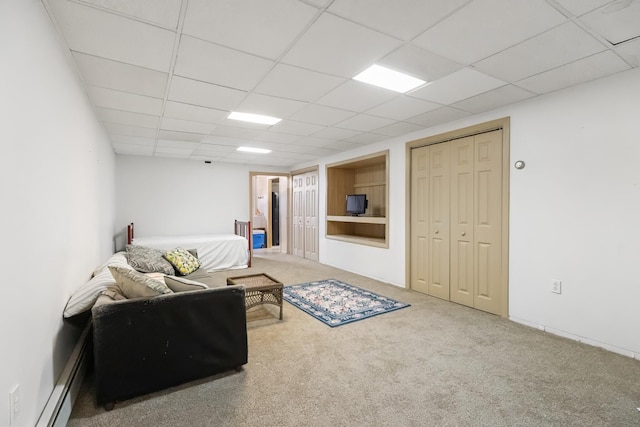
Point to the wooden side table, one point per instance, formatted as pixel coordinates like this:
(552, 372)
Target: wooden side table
(260, 289)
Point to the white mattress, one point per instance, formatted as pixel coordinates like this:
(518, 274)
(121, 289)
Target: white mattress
(215, 251)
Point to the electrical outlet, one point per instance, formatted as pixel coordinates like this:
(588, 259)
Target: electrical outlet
(14, 404)
(556, 286)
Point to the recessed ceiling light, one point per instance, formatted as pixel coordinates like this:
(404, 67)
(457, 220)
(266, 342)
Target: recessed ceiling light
(254, 118)
(253, 150)
(389, 79)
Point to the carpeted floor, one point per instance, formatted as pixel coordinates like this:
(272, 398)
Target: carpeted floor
(432, 364)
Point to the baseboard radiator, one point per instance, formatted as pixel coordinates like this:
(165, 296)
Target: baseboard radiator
(57, 411)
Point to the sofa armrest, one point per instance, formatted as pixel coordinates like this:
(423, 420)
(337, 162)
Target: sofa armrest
(145, 345)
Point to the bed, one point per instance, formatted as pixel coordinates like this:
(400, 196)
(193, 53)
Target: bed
(215, 251)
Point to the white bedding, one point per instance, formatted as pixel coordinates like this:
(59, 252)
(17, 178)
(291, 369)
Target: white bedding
(215, 251)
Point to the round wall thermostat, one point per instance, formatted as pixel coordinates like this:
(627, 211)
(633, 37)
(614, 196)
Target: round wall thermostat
(519, 164)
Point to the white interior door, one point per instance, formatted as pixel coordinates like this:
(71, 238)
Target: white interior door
(311, 216)
(297, 229)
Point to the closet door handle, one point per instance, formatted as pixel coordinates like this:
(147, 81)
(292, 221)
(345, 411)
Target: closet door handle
(437, 231)
(464, 233)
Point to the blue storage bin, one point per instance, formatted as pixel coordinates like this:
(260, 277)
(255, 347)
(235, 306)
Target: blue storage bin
(258, 239)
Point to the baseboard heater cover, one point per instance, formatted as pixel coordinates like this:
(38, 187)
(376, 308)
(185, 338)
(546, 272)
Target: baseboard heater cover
(57, 411)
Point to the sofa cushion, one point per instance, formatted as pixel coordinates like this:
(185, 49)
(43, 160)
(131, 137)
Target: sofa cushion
(86, 295)
(181, 284)
(148, 260)
(134, 284)
(183, 262)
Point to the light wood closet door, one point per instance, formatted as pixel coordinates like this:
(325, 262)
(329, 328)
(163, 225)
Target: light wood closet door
(462, 225)
(419, 218)
(488, 222)
(439, 213)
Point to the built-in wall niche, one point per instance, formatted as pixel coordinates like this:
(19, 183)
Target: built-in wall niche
(363, 175)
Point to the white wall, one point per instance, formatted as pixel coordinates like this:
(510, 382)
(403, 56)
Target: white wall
(573, 212)
(58, 191)
(169, 197)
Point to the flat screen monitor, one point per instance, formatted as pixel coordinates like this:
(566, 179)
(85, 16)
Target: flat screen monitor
(356, 204)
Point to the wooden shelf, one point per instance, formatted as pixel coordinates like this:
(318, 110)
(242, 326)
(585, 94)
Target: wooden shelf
(358, 219)
(363, 175)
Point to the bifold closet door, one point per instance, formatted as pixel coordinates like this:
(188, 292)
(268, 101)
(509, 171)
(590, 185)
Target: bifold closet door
(419, 219)
(487, 194)
(439, 212)
(297, 238)
(311, 215)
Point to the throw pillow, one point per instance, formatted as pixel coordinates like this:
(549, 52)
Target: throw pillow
(183, 262)
(134, 284)
(148, 260)
(180, 284)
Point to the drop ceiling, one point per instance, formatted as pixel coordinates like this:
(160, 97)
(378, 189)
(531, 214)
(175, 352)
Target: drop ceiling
(163, 75)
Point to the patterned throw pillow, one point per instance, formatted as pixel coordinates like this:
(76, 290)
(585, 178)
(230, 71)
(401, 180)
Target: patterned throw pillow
(183, 262)
(134, 284)
(148, 260)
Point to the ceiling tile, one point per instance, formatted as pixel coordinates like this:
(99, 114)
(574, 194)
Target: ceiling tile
(367, 138)
(336, 133)
(178, 110)
(128, 130)
(402, 108)
(161, 12)
(391, 17)
(356, 96)
(220, 65)
(296, 128)
(342, 145)
(320, 115)
(439, 116)
(556, 47)
(117, 100)
(460, 85)
(630, 52)
(186, 126)
(177, 144)
(106, 35)
(180, 136)
(119, 76)
(413, 60)
(121, 139)
(336, 46)
(364, 122)
(128, 118)
(398, 129)
(312, 141)
(204, 149)
(484, 27)
(579, 7)
(173, 152)
(285, 81)
(493, 99)
(617, 22)
(204, 94)
(254, 26)
(270, 106)
(583, 70)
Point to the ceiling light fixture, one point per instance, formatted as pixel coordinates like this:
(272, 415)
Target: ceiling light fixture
(254, 118)
(389, 79)
(253, 150)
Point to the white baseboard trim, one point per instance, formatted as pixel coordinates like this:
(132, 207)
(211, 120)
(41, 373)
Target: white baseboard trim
(57, 411)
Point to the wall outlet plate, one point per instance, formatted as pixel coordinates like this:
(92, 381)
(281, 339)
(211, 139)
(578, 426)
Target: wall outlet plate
(556, 286)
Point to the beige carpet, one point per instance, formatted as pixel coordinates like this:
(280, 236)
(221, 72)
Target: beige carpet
(432, 364)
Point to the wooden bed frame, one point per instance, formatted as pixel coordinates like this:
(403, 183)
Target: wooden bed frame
(240, 228)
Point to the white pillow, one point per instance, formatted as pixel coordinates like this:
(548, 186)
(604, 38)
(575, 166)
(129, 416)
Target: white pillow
(86, 295)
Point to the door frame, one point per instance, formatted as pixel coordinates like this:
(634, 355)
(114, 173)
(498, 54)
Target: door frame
(502, 123)
(251, 198)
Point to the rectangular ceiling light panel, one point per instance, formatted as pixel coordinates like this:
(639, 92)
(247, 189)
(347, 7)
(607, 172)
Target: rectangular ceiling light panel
(389, 79)
(254, 118)
(253, 150)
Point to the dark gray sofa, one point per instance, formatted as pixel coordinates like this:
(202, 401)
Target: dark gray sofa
(144, 345)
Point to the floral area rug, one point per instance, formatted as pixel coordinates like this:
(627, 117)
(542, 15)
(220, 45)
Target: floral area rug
(337, 303)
